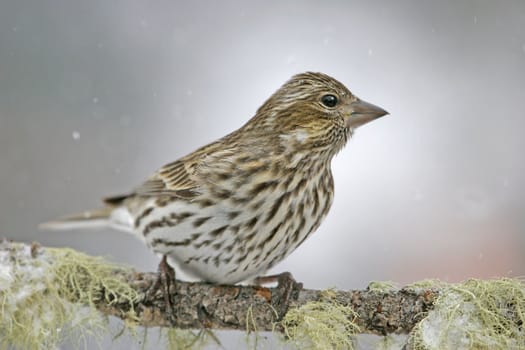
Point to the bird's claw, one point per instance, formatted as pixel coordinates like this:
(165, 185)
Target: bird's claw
(166, 281)
(287, 289)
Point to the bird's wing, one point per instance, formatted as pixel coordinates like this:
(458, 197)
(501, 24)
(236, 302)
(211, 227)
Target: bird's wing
(174, 179)
(182, 178)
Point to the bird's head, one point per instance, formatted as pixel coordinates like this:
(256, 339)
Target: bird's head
(313, 111)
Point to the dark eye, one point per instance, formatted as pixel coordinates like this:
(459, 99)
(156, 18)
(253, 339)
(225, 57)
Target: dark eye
(329, 100)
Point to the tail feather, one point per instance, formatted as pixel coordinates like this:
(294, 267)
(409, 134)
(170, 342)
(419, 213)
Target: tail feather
(88, 219)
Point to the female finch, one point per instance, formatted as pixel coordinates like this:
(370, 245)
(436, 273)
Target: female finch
(234, 208)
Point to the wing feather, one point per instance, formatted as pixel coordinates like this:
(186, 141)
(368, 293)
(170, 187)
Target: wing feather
(184, 178)
(174, 179)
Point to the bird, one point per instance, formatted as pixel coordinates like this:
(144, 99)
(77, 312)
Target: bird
(234, 208)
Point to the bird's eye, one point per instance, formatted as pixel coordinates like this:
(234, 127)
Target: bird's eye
(329, 100)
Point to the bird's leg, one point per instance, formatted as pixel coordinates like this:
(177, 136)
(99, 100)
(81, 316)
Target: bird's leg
(166, 281)
(288, 288)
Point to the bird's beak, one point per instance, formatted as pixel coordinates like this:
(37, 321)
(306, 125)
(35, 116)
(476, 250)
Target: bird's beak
(363, 112)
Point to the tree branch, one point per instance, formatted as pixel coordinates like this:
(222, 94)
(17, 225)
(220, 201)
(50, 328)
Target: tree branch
(199, 305)
(46, 283)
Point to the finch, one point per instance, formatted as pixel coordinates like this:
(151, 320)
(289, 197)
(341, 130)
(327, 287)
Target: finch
(234, 208)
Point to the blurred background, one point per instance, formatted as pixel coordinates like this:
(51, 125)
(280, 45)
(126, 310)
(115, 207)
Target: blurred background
(96, 95)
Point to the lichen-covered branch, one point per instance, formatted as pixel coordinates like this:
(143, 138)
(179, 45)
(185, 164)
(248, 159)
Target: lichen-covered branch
(50, 285)
(202, 305)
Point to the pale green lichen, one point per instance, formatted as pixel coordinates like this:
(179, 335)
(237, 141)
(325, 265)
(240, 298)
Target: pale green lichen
(87, 280)
(323, 324)
(253, 338)
(182, 339)
(50, 298)
(426, 284)
(382, 286)
(476, 314)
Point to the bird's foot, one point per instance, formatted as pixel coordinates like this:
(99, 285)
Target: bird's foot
(287, 287)
(165, 281)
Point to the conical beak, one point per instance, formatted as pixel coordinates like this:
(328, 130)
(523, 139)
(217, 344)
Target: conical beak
(363, 112)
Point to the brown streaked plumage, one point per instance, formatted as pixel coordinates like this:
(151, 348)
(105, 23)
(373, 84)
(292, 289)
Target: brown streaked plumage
(232, 209)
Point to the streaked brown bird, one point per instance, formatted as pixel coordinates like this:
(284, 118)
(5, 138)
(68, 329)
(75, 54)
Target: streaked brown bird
(234, 208)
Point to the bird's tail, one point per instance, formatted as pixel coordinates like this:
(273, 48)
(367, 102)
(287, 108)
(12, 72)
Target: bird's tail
(88, 219)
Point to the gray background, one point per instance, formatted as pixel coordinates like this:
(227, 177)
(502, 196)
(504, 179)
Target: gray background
(95, 95)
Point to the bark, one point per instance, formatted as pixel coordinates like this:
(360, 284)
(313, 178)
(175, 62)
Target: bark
(198, 305)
